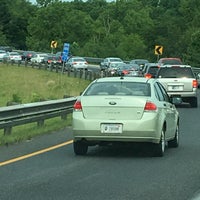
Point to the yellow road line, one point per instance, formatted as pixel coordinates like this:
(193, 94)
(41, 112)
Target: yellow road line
(35, 153)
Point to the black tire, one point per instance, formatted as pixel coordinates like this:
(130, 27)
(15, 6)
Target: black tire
(80, 148)
(175, 142)
(160, 147)
(193, 102)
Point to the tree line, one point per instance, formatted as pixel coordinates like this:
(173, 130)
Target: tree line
(127, 29)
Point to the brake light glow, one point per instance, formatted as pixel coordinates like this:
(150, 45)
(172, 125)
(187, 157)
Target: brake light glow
(150, 106)
(148, 75)
(195, 83)
(77, 106)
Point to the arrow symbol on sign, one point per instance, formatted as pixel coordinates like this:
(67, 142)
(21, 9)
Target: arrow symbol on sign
(54, 44)
(158, 50)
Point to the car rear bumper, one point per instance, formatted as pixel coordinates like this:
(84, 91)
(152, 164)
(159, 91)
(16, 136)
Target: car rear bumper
(183, 94)
(132, 131)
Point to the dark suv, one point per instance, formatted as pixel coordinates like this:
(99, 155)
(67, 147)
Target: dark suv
(180, 81)
(27, 55)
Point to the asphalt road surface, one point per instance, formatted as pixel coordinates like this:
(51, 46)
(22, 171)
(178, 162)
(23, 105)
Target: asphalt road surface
(45, 168)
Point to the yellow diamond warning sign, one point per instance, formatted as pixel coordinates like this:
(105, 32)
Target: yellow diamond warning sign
(158, 50)
(53, 44)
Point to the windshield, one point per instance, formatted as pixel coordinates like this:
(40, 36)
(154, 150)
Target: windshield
(175, 72)
(119, 88)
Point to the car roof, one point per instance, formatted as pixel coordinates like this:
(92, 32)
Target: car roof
(139, 60)
(152, 64)
(173, 58)
(125, 79)
(164, 59)
(112, 57)
(175, 66)
(78, 57)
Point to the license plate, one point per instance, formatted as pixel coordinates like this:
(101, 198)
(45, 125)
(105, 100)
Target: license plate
(111, 128)
(175, 87)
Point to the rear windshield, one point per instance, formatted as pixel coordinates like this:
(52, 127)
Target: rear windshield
(175, 72)
(153, 70)
(119, 88)
(171, 62)
(115, 60)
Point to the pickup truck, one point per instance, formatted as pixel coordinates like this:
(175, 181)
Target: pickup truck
(179, 81)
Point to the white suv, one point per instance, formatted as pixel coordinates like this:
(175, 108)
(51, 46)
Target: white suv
(109, 62)
(179, 80)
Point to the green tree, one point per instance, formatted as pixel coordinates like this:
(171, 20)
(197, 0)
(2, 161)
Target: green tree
(193, 50)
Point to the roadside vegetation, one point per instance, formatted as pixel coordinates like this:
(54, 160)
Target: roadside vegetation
(98, 28)
(26, 85)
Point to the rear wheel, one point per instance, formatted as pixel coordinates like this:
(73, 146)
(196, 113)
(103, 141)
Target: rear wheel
(80, 147)
(160, 147)
(175, 141)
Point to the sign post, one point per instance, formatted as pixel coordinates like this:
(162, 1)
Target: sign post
(65, 54)
(53, 45)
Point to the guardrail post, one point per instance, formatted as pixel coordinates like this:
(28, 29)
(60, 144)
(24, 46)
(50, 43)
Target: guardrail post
(86, 74)
(7, 130)
(51, 67)
(68, 72)
(102, 74)
(45, 66)
(95, 76)
(56, 68)
(81, 73)
(40, 123)
(90, 76)
(26, 63)
(64, 116)
(19, 63)
(75, 72)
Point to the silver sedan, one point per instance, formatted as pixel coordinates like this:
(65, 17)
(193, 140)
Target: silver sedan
(125, 109)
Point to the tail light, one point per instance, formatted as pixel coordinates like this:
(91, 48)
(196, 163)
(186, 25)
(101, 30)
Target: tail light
(148, 75)
(77, 106)
(150, 106)
(195, 84)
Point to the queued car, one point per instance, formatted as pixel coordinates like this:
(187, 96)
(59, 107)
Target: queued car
(27, 55)
(109, 62)
(179, 81)
(76, 63)
(169, 61)
(2, 54)
(6, 48)
(12, 56)
(150, 70)
(52, 59)
(140, 62)
(38, 57)
(125, 110)
(125, 69)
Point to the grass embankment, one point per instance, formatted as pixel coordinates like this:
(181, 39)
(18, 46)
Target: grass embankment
(26, 85)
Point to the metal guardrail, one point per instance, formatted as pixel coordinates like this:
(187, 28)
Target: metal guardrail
(196, 70)
(15, 115)
(84, 74)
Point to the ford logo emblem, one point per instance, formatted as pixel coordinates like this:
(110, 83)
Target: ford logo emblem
(112, 103)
